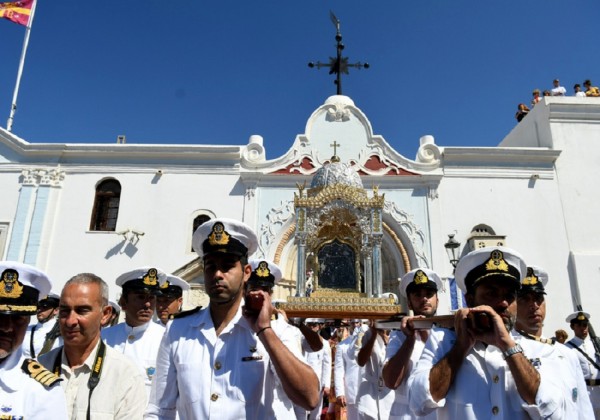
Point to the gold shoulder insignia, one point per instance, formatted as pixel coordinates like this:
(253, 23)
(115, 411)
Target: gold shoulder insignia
(187, 313)
(35, 370)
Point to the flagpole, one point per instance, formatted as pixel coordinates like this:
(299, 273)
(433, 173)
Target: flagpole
(13, 107)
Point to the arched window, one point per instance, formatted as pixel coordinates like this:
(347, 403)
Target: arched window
(106, 206)
(199, 220)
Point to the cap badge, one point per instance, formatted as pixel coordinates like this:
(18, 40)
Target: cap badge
(263, 269)
(420, 277)
(165, 285)
(581, 316)
(218, 236)
(150, 279)
(496, 262)
(531, 278)
(9, 284)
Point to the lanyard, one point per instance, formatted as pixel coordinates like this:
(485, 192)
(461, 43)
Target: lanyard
(96, 371)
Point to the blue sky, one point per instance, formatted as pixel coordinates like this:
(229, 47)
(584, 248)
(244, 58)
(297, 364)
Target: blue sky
(201, 72)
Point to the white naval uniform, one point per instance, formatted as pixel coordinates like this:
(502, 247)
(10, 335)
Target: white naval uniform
(589, 370)
(400, 409)
(320, 362)
(347, 373)
(205, 376)
(373, 399)
(484, 387)
(25, 398)
(140, 344)
(118, 395)
(39, 337)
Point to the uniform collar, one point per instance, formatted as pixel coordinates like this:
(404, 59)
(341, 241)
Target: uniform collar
(576, 340)
(11, 374)
(139, 330)
(204, 319)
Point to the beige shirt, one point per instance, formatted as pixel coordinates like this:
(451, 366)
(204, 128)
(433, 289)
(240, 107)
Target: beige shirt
(120, 394)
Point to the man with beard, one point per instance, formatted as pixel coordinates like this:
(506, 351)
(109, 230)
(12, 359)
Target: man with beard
(99, 382)
(420, 288)
(45, 329)
(483, 369)
(531, 313)
(27, 390)
(588, 358)
(138, 337)
(224, 361)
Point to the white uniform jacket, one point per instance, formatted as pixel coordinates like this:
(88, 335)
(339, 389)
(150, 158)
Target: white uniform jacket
(120, 394)
(25, 398)
(39, 338)
(589, 370)
(203, 376)
(319, 361)
(373, 399)
(140, 344)
(400, 409)
(346, 372)
(484, 387)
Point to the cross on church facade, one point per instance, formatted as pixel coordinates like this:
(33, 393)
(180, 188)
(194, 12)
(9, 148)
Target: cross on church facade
(338, 65)
(335, 145)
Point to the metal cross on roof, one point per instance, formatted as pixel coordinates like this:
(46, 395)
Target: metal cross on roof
(335, 145)
(338, 65)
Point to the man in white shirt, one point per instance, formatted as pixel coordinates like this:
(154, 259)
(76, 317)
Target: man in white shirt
(483, 368)
(588, 358)
(224, 361)
(99, 382)
(558, 90)
(420, 287)
(45, 330)
(320, 362)
(27, 390)
(138, 337)
(346, 371)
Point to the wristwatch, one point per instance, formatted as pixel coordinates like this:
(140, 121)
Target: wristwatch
(511, 351)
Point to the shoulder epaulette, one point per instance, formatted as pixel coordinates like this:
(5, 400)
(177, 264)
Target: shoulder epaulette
(187, 313)
(35, 370)
(550, 341)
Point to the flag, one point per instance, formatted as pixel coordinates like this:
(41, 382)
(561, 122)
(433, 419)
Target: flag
(16, 11)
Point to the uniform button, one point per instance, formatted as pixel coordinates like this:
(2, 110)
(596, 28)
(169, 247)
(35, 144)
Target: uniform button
(131, 337)
(214, 397)
(496, 379)
(217, 365)
(495, 410)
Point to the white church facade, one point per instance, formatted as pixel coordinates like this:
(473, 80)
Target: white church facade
(108, 208)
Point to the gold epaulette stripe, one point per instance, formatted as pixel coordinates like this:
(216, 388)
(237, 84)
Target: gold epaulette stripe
(38, 372)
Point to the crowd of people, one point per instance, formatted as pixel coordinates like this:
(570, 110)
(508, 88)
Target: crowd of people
(241, 357)
(557, 90)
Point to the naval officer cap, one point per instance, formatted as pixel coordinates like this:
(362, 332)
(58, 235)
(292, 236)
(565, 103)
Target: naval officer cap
(144, 279)
(577, 317)
(21, 286)
(264, 273)
(535, 281)
(419, 278)
(489, 263)
(173, 286)
(226, 236)
(52, 300)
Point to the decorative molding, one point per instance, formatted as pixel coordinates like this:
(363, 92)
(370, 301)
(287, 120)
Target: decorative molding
(414, 233)
(337, 112)
(40, 176)
(276, 219)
